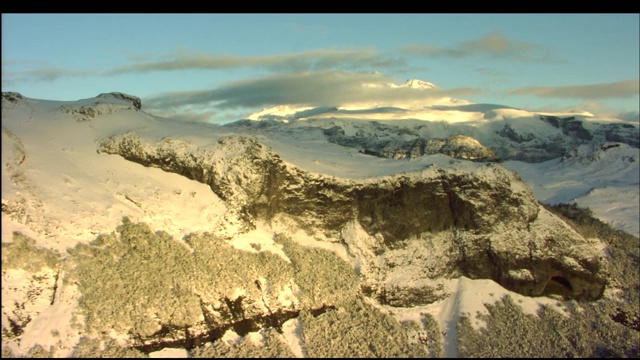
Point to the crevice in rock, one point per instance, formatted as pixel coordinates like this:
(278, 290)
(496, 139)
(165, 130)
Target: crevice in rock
(273, 324)
(242, 327)
(235, 307)
(322, 310)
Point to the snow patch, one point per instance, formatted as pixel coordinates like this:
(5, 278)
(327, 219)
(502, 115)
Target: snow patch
(292, 332)
(169, 353)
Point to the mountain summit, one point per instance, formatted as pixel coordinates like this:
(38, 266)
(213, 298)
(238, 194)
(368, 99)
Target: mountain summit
(418, 84)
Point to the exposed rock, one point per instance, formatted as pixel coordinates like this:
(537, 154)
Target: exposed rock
(624, 133)
(164, 294)
(515, 140)
(553, 120)
(134, 100)
(574, 129)
(13, 97)
(466, 147)
(334, 132)
(512, 135)
(12, 100)
(485, 223)
(456, 146)
(88, 112)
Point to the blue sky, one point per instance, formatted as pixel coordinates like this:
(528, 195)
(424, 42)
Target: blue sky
(222, 67)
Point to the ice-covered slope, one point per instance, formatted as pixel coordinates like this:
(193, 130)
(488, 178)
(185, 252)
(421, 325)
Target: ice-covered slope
(72, 170)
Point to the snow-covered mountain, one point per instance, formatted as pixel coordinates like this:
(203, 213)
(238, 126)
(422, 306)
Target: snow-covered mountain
(572, 156)
(307, 231)
(419, 84)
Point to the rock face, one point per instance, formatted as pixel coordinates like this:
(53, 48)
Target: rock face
(406, 232)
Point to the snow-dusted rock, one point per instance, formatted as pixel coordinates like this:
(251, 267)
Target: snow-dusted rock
(134, 100)
(90, 111)
(485, 220)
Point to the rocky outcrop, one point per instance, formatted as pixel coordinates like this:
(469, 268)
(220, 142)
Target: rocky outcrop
(11, 96)
(14, 100)
(88, 112)
(405, 231)
(624, 133)
(134, 100)
(574, 129)
(456, 146)
(509, 133)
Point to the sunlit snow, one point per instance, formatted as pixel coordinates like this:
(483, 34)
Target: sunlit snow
(72, 193)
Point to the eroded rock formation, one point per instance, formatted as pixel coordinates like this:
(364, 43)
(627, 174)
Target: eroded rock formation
(483, 223)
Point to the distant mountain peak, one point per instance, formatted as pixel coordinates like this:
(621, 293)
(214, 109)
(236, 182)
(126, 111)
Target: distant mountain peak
(419, 84)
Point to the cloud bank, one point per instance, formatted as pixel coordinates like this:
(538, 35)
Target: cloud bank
(619, 89)
(494, 45)
(46, 74)
(312, 60)
(326, 88)
(632, 116)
